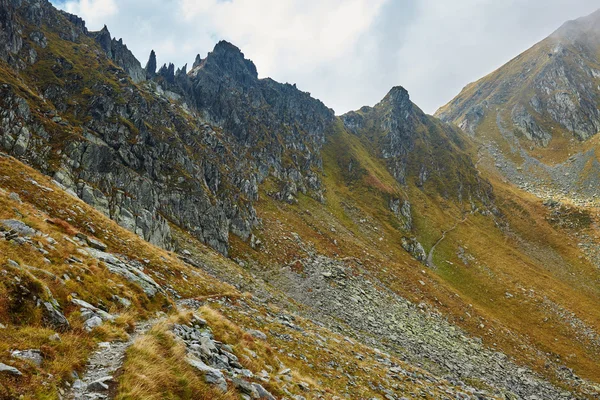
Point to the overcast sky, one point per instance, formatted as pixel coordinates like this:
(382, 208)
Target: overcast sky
(348, 53)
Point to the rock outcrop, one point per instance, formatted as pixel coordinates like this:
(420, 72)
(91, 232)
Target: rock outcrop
(283, 126)
(120, 54)
(10, 32)
(188, 149)
(151, 66)
(416, 147)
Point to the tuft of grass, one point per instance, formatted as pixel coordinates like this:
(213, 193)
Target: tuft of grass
(155, 369)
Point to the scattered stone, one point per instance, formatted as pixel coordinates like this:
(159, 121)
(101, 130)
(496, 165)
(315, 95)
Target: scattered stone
(9, 370)
(412, 246)
(127, 270)
(15, 197)
(263, 394)
(104, 345)
(245, 387)
(257, 334)
(54, 338)
(92, 323)
(255, 242)
(32, 355)
(54, 318)
(99, 385)
(18, 227)
(211, 375)
(96, 244)
(123, 301)
(89, 310)
(78, 385)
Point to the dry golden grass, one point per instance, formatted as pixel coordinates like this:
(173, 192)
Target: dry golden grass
(58, 215)
(155, 369)
(66, 227)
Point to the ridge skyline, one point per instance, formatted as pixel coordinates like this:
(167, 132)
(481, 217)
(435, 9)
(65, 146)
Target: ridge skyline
(344, 82)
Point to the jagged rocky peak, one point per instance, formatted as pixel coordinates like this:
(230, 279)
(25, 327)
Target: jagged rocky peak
(104, 39)
(225, 87)
(419, 149)
(397, 100)
(181, 73)
(151, 66)
(197, 61)
(117, 51)
(397, 95)
(228, 59)
(167, 72)
(75, 20)
(396, 104)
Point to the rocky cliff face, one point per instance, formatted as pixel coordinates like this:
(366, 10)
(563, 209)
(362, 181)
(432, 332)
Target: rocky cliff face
(9, 32)
(282, 127)
(185, 149)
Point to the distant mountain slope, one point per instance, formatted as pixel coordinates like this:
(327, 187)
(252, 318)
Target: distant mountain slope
(540, 109)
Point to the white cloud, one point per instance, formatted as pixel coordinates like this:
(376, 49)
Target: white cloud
(347, 53)
(455, 43)
(93, 10)
(289, 34)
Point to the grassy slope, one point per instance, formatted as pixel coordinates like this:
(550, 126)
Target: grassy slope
(532, 260)
(154, 367)
(538, 263)
(90, 280)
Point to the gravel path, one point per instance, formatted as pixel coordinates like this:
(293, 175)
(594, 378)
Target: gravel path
(429, 260)
(103, 364)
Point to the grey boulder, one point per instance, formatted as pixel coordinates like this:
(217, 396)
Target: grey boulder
(9, 370)
(211, 375)
(33, 355)
(54, 318)
(19, 227)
